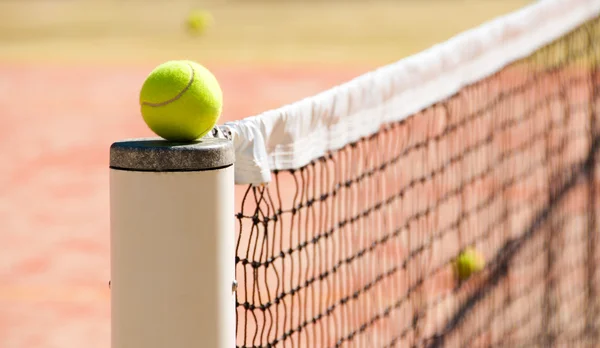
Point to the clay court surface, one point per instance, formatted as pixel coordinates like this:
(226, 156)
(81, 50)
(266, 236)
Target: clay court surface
(69, 77)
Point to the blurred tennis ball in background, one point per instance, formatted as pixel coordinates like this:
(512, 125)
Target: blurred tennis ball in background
(470, 261)
(181, 100)
(199, 21)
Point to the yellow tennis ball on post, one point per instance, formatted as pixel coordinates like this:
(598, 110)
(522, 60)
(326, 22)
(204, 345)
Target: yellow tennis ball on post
(468, 262)
(181, 100)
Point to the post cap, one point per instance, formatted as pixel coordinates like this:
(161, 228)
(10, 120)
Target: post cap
(158, 155)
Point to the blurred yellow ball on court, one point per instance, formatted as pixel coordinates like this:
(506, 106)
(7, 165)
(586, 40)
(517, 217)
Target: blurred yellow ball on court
(468, 262)
(199, 21)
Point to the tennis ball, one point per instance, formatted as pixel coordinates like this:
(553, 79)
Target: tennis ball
(468, 262)
(198, 21)
(181, 100)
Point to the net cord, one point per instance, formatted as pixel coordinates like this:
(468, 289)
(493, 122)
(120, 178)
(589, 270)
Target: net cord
(293, 135)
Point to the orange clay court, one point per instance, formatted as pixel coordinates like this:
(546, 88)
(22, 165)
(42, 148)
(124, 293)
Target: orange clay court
(70, 73)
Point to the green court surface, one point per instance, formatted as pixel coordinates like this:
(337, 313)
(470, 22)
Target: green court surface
(69, 77)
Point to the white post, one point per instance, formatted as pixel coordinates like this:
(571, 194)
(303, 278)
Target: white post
(172, 244)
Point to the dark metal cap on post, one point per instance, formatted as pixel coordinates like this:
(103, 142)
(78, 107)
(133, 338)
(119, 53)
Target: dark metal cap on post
(157, 155)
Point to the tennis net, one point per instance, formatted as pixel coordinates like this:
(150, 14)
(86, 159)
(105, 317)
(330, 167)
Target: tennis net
(353, 244)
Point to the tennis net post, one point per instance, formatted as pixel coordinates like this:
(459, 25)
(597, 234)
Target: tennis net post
(172, 244)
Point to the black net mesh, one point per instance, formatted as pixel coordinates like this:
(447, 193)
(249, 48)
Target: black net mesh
(357, 248)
